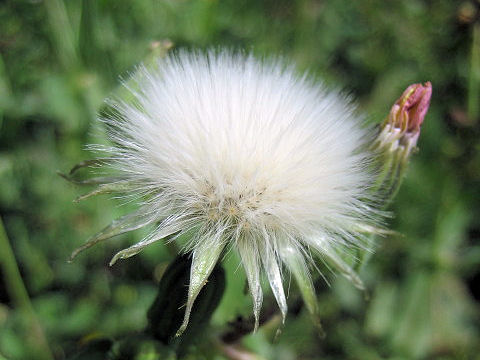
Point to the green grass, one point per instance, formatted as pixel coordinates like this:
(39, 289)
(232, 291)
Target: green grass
(60, 59)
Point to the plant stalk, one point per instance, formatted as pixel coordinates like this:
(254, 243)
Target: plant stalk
(19, 295)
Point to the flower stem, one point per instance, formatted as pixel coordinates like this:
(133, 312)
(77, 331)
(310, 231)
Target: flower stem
(19, 296)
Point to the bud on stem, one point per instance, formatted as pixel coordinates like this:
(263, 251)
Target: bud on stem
(398, 136)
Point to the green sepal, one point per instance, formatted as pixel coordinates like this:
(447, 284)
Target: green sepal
(119, 226)
(98, 162)
(106, 184)
(296, 264)
(249, 255)
(91, 181)
(168, 310)
(164, 233)
(204, 258)
(108, 188)
(272, 269)
(335, 260)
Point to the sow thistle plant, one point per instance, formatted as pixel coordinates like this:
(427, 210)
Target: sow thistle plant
(228, 152)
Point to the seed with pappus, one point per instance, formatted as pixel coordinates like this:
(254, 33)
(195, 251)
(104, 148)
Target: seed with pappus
(229, 152)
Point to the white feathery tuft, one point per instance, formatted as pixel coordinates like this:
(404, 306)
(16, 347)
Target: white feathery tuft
(243, 154)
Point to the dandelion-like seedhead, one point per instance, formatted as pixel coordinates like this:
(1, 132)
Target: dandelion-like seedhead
(242, 154)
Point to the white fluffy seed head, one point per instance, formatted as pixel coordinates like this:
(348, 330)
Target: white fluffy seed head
(246, 153)
(243, 144)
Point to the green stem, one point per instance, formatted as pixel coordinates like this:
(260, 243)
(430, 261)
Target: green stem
(19, 296)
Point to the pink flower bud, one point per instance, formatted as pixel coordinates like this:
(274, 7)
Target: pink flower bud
(402, 125)
(410, 109)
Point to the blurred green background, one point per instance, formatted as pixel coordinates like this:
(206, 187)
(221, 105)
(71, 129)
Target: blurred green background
(60, 59)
